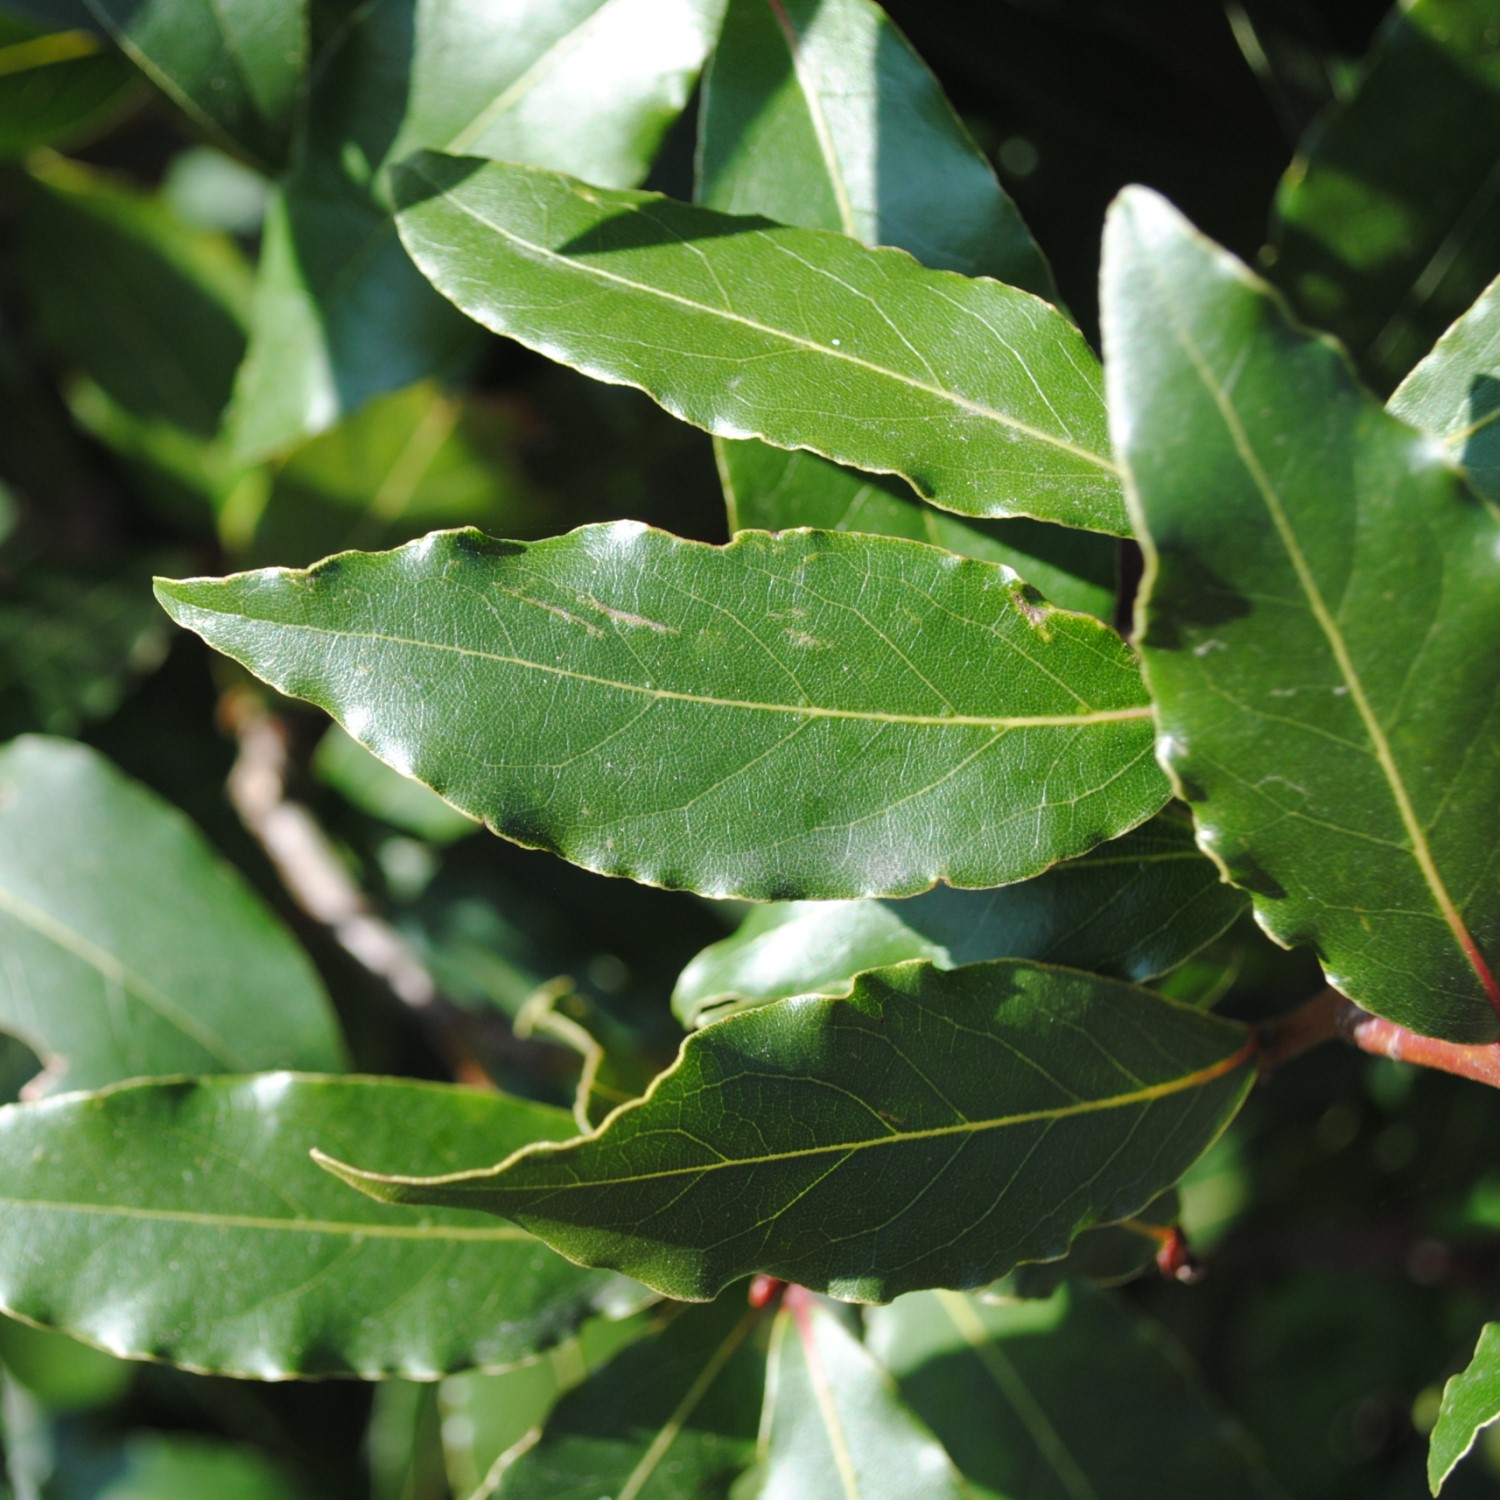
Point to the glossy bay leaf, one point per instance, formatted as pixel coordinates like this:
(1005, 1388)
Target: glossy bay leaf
(1132, 908)
(585, 86)
(228, 1251)
(1072, 1396)
(131, 948)
(1471, 1402)
(935, 1128)
(638, 704)
(1320, 640)
(1455, 392)
(835, 1423)
(985, 398)
(672, 1417)
(820, 115)
(1380, 237)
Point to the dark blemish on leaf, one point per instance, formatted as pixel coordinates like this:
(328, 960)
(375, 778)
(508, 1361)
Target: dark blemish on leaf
(1248, 873)
(779, 888)
(476, 545)
(521, 826)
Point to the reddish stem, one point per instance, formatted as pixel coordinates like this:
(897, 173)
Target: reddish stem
(1329, 1015)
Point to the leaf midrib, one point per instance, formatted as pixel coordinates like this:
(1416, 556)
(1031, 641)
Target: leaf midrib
(589, 269)
(491, 1176)
(263, 1224)
(805, 711)
(1385, 758)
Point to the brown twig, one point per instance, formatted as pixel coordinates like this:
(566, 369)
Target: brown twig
(318, 881)
(1330, 1015)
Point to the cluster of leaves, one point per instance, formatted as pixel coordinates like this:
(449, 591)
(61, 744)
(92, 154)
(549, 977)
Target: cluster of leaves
(970, 1057)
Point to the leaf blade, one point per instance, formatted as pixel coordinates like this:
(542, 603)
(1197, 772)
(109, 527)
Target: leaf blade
(1317, 555)
(271, 1275)
(1471, 1402)
(797, 1090)
(802, 361)
(655, 692)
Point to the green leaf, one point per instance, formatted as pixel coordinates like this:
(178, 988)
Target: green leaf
(125, 293)
(986, 399)
(818, 113)
(147, 1465)
(769, 489)
(1455, 392)
(950, 1124)
(374, 788)
(1471, 1401)
(234, 67)
(1106, 1256)
(835, 1423)
(1385, 233)
(1132, 908)
(1320, 641)
(211, 1240)
(57, 87)
(406, 463)
(1068, 1397)
(586, 86)
(73, 642)
(636, 703)
(673, 1416)
(131, 949)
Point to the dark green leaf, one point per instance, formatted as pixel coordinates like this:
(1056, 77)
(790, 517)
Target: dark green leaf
(1471, 1401)
(1455, 392)
(183, 1221)
(637, 703)
(404, 464)
(72, 641)
(130, 948)
(162, 1466)
(986, 399)
(1108, 1255)
(234, 67)
(125, 293)
(786, 131)
(1320, 640)
(1132, 908)
(55, 88)
(672, 1417)
(1071, 1397)
(586, 86)
(770, 489)
(818, 113)
(835, 1424)
(1386, 232)
(933, 1129)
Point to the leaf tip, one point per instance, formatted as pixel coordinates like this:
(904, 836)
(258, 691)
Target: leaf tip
(371, 1184)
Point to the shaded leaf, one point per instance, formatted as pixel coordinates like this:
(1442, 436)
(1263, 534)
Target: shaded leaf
(341, 315)
(73, 642)
(148, 308)
(234, 67)
(986, 399)
(1455, 392)
(1320, 641)
(1107, 1256)
(1381, 235)
(818, 113)
(1132, 908)
(215, 1242)
(1067, 1397)
(131, 949)
(57, 87)
(950, 1125)
(673, 1416)
(770, 489)
(1471, 1401)
(835, 1424)
(405, 463)
(635, 703)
